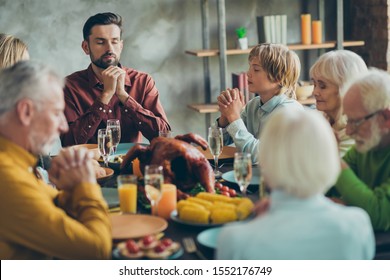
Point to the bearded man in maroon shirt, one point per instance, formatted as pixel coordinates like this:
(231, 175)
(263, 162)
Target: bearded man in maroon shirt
(107, 90)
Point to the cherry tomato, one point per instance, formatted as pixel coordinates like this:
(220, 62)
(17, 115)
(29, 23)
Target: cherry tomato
(232, 192)
(159, 248)
(225, 189)
(225, 194)
(147, 240)
(132, 246)
(218, 185)
(166, 242)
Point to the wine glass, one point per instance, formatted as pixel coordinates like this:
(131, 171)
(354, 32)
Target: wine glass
(215, 140)
(105, 144)
(115, 127)
(243, 170)
(153, 179)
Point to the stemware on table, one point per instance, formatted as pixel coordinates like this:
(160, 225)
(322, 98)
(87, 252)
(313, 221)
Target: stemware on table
(215, 140)
(105, 144)
(243, 170)
(115, 127)
(153, 179)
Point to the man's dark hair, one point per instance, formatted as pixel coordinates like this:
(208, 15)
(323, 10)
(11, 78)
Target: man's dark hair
(101, 19)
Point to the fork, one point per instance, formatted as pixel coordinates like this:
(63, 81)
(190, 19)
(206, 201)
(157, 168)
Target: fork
(190, 247)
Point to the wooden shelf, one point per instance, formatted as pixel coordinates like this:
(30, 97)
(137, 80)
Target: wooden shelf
(213, 107)
(204, 108)
(326, 45)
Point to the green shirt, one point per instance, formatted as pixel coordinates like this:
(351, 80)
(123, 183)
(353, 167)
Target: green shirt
(366, 184)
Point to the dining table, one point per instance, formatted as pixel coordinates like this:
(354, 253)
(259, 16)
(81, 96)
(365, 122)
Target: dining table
(180, 231)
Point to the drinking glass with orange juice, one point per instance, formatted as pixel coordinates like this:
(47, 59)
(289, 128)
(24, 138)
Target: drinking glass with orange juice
(127, 190)
(167, 201)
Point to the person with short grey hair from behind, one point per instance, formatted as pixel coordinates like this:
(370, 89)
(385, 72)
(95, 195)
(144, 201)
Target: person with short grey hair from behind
(365, 177)
(299, 222)
(35, 223)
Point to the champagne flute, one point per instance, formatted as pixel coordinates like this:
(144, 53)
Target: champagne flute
(215, 140)
(105, 144)
(153, 179)
(243, 170)
(115, 127)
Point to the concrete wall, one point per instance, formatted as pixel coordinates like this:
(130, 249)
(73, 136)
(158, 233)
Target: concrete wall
(156, 34)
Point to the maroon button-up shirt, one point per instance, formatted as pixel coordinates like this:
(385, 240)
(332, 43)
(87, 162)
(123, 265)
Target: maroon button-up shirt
(142, 112)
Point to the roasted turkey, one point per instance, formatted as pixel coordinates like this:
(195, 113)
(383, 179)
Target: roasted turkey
(183, 164)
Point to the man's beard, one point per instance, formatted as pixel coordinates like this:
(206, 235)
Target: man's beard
(372, 142)
(38, 146)
(102, 64)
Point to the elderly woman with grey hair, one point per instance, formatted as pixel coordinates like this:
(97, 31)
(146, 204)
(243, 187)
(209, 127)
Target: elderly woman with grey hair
(329, 75)
(300, 222)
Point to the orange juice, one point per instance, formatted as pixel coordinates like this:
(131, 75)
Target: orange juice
(128, 198)
(167, 202)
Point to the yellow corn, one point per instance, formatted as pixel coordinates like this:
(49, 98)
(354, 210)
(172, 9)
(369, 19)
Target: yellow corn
(194, 215)
(204, 203)
(222, 205)
(183, 203)
(223, 215)
(236, 200)
(213, 197)
(244, 209)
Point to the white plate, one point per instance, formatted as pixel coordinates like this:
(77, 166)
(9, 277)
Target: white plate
(229, 176)
(209, 237)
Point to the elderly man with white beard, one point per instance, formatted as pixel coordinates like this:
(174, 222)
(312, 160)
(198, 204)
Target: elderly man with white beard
(365, 177)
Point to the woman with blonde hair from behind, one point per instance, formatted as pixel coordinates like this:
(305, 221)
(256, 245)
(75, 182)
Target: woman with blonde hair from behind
(12, 50)
(300, 223)
(329, 74)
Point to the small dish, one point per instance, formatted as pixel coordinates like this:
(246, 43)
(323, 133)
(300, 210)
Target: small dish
(109, 173)
(229, 176)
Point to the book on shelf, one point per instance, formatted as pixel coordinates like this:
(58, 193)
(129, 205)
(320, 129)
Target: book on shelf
(272, 29)
(240, 81)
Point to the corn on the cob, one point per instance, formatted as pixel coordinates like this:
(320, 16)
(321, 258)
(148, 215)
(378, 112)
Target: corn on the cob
(183, 203)
(223, 215)
(205, 203)
(222, 205)
(213, 197)
(194, 215)
(244, 209)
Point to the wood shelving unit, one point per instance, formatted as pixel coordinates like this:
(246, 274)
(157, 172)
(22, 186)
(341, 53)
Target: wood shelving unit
(222, 52)
(326, 45)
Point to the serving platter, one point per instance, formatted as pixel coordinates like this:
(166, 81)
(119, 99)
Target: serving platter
(175, 217)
